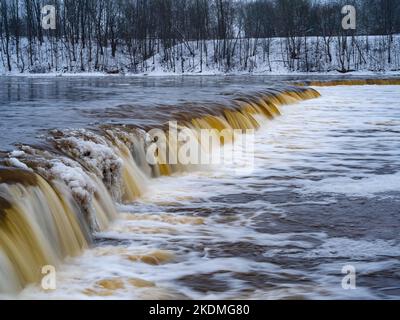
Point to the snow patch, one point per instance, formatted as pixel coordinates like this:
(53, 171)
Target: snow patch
(17, 164)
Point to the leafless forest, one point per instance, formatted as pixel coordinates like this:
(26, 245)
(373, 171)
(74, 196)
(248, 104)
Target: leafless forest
(181, 36)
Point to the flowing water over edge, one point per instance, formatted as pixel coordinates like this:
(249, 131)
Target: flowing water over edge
(79, 174)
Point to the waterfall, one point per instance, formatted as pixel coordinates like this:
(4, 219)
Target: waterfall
(53, 197)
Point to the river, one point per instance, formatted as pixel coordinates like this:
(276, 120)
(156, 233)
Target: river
(323, 195)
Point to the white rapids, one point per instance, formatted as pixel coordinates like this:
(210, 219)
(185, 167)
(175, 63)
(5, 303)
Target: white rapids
(324, 193)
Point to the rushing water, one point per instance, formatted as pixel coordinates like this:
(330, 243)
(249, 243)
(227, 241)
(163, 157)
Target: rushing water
(323, 194)
(30, 106)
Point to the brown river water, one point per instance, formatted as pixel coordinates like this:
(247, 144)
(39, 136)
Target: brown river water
(77, 191)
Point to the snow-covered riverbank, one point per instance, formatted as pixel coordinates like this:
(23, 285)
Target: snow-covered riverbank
(363, 55)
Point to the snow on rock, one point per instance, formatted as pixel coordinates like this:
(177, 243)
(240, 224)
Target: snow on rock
(53, 167)
(14, 162)
(76, 179)
(93, 153)
(17, 153)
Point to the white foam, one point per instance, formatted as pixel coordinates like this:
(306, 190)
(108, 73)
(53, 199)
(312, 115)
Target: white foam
(338, 143)
(365, 186)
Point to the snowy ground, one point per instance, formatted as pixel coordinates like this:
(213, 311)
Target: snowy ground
(366, 57)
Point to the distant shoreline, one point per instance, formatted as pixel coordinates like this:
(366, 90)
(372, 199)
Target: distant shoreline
(204, 74)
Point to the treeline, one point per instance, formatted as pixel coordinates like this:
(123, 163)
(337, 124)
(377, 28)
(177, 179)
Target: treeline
(111, 35)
